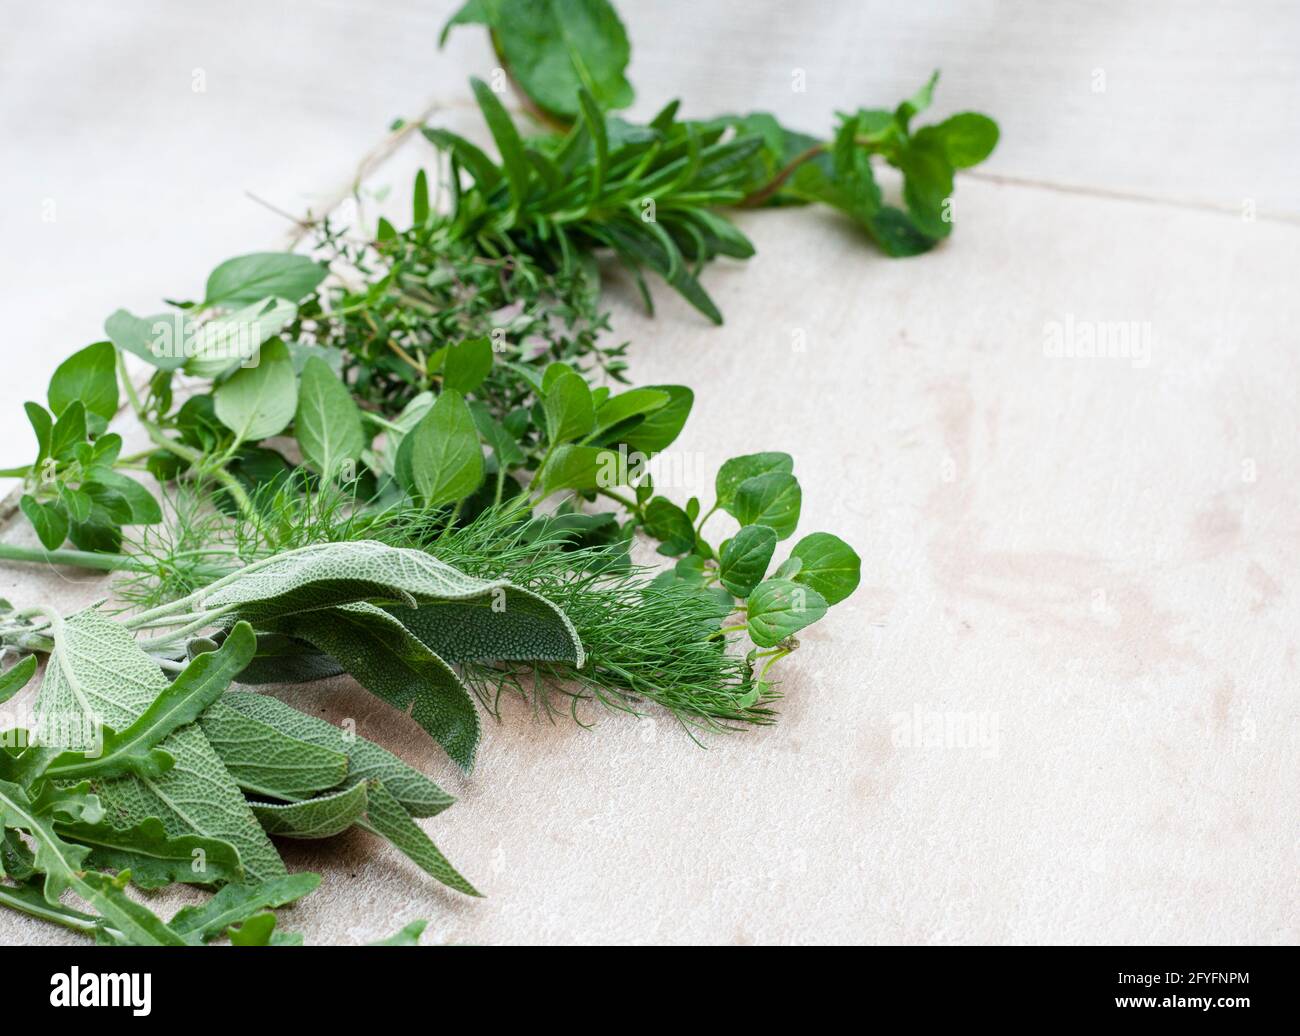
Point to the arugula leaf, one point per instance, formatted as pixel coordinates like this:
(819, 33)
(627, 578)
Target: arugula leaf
(235, 904)
(154, 858)
(408, 936)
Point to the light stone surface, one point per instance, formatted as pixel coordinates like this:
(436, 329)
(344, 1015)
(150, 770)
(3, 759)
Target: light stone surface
(1091, 565)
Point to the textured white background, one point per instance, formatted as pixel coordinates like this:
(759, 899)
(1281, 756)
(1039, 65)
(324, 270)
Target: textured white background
(1074, 553)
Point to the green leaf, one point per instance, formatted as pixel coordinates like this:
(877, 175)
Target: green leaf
(43, 425)
(90, 376)
(143, 507)
(966, 139)
(568, 408)
(667, 522)
(258, 930)
(386, 816)
(420, 200)
(327, 422)
(408, 936)
(737, 469)
(828, 564)
(251, 278)
(228, 343)
(235, 904)
(63, 865)
(154, 339)
(322, 817)
(554, 48)
(467, 364)
(258, 402)
(927, 186)
(918, 102)
(744, 558)
(628, 405)
(501, 442)
(135, 750)
(98, 674)
(153, 858)
(49, 520)
(265, 761)
(366, 760)
(779, 608)
(446, 461)
(136, 924)
(16, 678)
(510, 624)
(69, 430)
(771, 499)
(582, 468)
(507, 140)
(391, 663)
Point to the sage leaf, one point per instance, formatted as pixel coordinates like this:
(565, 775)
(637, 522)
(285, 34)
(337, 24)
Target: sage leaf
(744, 559)
(779, 608)
(328, 421)
(505, 625)
(366, 760)
(390, 662)
(258, 402)
(386, 816)
(265, 761)
(180, 703)
(321, 817)
(98, 674)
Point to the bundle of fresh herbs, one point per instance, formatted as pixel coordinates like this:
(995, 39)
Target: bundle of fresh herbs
(413, 458)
